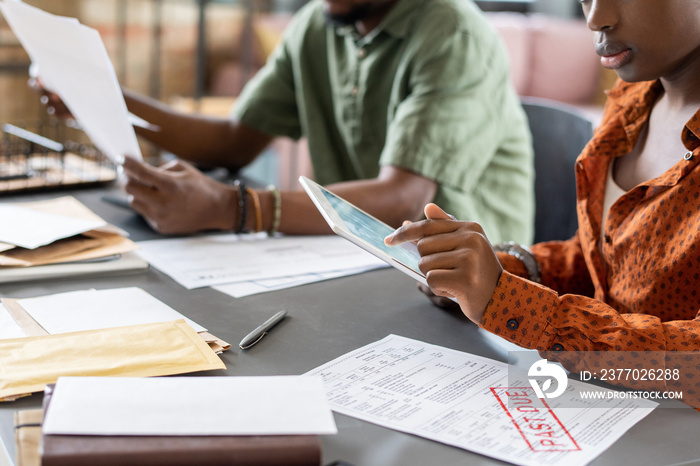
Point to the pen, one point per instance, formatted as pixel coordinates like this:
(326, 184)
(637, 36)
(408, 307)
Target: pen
(256, 335)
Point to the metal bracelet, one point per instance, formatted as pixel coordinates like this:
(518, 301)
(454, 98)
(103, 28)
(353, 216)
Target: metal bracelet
(524, 255)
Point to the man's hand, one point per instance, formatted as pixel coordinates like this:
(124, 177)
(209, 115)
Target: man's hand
(176, 198)
(456, 258)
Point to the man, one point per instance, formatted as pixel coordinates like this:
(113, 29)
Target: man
(403, 102)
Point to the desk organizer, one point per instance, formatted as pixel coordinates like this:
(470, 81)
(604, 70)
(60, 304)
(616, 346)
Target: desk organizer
(49, 155)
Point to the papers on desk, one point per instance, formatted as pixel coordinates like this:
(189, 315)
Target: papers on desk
(87, 310)
(37, 236)
(94, 332)
(73, 62)
(205, 406)
(458, 399)
(56, 230)
(227, 258)
(78, 311)
(241, 289)
(149, 350)
(27, 228)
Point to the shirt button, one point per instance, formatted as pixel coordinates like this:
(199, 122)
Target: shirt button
(361, 53)
(557, 347)
(512, 324)
(688, 156)
(354, 91)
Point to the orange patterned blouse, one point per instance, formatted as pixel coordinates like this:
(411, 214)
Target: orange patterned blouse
(636, 286)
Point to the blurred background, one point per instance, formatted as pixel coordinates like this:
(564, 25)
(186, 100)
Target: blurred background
(198, 54)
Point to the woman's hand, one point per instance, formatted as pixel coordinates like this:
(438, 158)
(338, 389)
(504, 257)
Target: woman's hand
(456, 258)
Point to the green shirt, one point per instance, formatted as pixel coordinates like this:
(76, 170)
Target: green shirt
(428, 90)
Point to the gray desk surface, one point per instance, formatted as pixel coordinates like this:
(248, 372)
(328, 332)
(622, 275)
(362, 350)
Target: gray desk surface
(329, 319)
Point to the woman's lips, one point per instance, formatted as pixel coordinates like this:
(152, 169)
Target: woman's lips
(615, 60)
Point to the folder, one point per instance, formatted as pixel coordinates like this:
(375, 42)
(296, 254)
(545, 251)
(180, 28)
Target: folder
(120, 264)
(34, 447)
(98, 243)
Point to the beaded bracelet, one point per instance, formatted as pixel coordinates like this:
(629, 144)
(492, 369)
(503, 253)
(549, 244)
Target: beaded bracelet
(242, 206)
(256, 205)
(277, 212)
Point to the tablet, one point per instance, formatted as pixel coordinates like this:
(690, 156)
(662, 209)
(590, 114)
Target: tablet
(362, 229)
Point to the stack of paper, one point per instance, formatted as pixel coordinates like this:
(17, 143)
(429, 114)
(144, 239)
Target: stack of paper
(237, 421)
(60, 231)
(205, 406)
(240, 265)
(27, 365)
(93, 332)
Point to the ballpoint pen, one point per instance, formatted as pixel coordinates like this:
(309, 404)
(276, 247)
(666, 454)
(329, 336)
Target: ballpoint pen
(256, 335)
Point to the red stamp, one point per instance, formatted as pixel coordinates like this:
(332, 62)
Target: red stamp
(534, 419)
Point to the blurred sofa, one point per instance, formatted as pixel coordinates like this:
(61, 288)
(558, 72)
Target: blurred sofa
(554, 58)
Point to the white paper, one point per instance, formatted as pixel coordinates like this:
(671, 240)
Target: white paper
(280, 405)
(97, 309)
(8, 326)
(455, 398)
(226, 258)
(31, 228)
(73, 63)
(241, 289)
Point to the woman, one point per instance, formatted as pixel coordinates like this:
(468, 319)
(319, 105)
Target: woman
(629, 280)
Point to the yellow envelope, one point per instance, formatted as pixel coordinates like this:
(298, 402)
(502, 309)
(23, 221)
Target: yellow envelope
(168, 348)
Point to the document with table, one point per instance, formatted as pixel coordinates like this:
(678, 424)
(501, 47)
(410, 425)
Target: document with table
(462, 400)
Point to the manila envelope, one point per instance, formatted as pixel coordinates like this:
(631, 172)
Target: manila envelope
(102, 242)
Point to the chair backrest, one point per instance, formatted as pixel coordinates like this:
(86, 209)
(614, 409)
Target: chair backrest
(559, 133)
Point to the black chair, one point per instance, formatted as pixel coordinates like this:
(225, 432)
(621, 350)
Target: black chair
(559, 133)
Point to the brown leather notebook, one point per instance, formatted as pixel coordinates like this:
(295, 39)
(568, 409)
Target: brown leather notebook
(74, 450)
(262, 450)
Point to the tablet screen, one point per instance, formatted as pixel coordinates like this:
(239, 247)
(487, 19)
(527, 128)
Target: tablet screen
(373, 231)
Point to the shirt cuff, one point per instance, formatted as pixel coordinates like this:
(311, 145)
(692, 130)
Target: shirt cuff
(519, 312)
(512, 264)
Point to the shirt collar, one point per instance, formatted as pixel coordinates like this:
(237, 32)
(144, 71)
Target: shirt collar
(398, 22)
(636, 100)
(691, 132)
